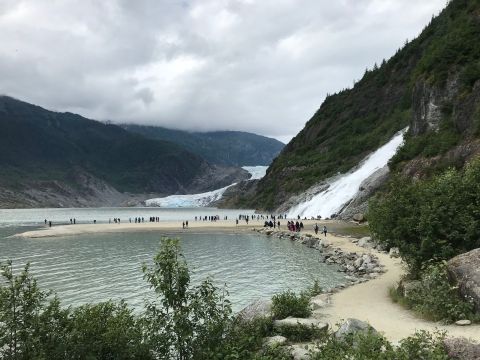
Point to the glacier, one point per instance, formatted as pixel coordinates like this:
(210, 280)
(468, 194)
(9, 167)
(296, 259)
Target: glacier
(203, 199)
(344, 188)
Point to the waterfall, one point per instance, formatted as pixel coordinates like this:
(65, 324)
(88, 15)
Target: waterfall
(344, 188)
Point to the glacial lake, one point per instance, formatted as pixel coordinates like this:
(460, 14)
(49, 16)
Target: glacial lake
(97, 267)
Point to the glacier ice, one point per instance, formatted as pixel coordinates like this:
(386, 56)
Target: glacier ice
(203, 199)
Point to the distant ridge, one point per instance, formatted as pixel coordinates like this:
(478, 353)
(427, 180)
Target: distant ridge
(63, 159)
(233, 148)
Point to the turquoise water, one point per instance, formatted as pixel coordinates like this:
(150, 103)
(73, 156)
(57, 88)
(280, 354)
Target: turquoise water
(97, 267)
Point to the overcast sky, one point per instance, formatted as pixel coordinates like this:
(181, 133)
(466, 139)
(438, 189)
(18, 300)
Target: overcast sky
(263, 66)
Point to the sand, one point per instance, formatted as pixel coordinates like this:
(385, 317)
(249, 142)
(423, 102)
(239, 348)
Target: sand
(368, 301)
(162, 226)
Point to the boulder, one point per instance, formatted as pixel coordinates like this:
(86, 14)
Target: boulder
(464, 270)
(291, 321)
(463, 323)
(359, 217)
(301, 351)
(353, 326)
(365, 242)
(320, 301)
(259, 308)
(394, 252)
(275, 341)
(358, 262)
(462, 349)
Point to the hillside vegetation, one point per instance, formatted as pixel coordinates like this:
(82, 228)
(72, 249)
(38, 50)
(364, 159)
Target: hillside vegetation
(430, 84)
(60, 153)
(234, 148)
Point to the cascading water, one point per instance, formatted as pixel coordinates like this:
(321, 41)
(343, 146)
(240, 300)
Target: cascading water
(343, 189)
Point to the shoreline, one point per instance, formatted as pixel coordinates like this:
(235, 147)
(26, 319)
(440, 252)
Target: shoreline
(370, 301)
(367, 300)
(219, 226)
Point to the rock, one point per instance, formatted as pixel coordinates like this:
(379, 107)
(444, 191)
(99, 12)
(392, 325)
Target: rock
(462, 349)
(290, 321)
(464, 270)
(367, 259)
(319, 301)
(351, 268)
(269, 232)
(365, 242)
(259, 308)
(394, 252)
(353, 326)
(300, 351)
(359, 217)
(358, 262)
(275, 341)
(463, 322)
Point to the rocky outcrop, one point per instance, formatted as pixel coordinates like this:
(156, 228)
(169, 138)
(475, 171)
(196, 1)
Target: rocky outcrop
(357, 267)
(291, 321)
(464, 270)
(462, 349)
(258, 308)
(352, 327)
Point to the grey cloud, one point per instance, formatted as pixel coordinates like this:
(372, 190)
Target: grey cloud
(261, 66)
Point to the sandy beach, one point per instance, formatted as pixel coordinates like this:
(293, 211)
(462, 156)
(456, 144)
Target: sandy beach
(165, 226)
(368, 301)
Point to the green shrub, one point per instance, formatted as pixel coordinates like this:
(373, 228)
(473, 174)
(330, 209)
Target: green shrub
(429, 219)
(435, 299)
(290, 304)
(316, 289)
(301, 333)
(373, 346)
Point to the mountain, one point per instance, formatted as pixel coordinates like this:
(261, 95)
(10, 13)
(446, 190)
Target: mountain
(62, 159)
(232, 148)
(431, 85)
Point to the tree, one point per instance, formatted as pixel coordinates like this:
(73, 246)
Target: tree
(183, 322)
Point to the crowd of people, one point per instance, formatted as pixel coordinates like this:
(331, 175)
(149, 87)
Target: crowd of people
(272, 221)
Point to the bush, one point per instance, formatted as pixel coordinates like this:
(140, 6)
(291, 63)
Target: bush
(435, 299)
(373, 346)
(301, 333)
(429, 219)
(290, 304)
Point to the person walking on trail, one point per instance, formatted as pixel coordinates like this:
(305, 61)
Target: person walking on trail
(325, 230)
(315, 228)
(183, 225)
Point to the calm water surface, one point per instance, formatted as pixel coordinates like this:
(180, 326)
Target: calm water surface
(97, 267)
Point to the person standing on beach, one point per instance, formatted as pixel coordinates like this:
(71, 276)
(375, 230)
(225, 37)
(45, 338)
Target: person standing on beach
(325, 230)
(315, 228)
(183, 225)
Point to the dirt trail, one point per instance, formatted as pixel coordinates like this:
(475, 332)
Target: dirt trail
(370, 302)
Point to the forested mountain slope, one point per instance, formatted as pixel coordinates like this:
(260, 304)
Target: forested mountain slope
(235, 148)
(62, 159)
(431, 85)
